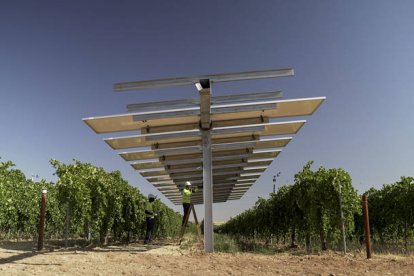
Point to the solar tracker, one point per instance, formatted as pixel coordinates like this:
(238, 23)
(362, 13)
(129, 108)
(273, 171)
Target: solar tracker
(221, 144)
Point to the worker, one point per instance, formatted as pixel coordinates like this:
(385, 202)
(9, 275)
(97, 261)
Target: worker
(149, 213)
(187, 191)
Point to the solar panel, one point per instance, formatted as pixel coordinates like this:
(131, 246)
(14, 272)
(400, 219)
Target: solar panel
(145, 140)
(178, 151)
(125, 122)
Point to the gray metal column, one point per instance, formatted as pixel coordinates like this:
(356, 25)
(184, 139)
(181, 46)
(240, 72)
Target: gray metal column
(203, 87)
(207, 192)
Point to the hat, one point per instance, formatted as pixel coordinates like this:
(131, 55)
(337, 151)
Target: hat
(188, 183)
(151, 196)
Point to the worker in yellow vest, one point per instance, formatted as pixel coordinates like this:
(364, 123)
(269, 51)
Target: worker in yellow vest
(187, 192)
(149, 213)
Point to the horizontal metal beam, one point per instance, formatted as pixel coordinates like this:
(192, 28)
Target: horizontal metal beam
(199, 175)
(219, 150)
(181, 81)
(165, 114)
(158, 179)
(154, 173)
(162, 105)
(216, 123)
(242, 108)
(164, 185)
(195, 111)
(172, 135)
(167, 182)
(247, 97)
(169, 145)
(237, 129)
(217, 100)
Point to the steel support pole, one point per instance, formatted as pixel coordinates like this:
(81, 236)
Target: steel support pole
(207, 192)
(203, 86)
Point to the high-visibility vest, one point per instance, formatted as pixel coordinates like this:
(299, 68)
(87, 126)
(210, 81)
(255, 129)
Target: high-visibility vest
(149, 207)
(187, 195)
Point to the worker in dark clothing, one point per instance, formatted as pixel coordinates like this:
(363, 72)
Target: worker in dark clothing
(149, 213)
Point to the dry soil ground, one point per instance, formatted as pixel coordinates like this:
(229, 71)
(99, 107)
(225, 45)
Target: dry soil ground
(169, 259)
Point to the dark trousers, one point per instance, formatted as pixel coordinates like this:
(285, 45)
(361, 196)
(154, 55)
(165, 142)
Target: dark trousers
(150, 228)
(186, 207)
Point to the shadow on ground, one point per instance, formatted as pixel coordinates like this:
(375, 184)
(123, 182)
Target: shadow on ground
(29, 248)
(52, 245)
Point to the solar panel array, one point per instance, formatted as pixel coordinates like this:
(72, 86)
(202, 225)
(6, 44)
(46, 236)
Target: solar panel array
(248, 132)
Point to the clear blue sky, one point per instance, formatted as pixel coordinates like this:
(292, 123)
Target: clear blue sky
(59, 59)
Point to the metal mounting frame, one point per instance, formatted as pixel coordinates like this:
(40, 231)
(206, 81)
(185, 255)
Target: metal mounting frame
(217, 143)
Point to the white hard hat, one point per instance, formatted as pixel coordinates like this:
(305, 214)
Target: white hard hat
(188, 183)
(151, 196)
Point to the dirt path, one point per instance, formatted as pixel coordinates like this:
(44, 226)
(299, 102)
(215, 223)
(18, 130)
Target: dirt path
(137, 259)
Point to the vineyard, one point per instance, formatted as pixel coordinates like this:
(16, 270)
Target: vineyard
(308, 213)
(91, 204)
(85, 203)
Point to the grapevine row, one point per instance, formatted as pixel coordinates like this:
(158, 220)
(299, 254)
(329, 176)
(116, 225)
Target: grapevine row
(309, 210)
(85, 202)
